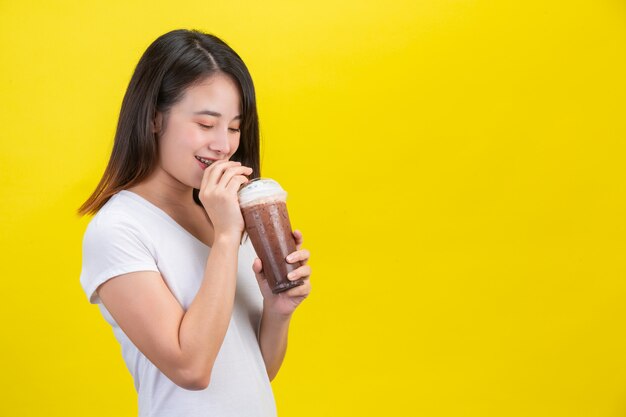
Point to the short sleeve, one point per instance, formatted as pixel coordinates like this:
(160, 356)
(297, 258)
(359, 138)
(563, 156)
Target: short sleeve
(113, 247)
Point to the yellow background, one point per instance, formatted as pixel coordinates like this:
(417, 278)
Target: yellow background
(457, 168)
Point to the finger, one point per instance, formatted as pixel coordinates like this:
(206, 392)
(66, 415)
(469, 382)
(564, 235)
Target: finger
(257, 266)
(303, 272)
(214, 172)
(299, 291)
(298, 237)
(231, 172)
(236, 182)
(297, 256)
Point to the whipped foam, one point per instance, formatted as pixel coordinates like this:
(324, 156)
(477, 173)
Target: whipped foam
(259, 191)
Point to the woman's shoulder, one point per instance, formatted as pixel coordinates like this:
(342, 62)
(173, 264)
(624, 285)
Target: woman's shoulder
(120, 212)
(118, 231)
(115, 242)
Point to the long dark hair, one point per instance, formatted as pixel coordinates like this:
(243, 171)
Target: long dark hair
(171, 64)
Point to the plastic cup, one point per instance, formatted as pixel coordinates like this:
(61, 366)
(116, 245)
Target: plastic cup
(263, 204)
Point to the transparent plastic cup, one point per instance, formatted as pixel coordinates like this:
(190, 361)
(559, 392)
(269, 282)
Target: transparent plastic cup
(263, 204)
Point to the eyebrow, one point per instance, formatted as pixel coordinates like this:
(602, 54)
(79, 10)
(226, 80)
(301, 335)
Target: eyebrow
(215, 114)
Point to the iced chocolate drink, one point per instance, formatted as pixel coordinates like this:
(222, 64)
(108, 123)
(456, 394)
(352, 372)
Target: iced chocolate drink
(264, 209)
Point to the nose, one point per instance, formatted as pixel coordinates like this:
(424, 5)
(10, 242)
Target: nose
(220, 143)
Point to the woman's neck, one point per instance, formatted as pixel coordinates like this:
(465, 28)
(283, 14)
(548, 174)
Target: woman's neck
(176, 200)
(162, 190)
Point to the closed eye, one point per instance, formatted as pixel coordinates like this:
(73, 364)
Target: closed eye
(204, 126)
(232, 129)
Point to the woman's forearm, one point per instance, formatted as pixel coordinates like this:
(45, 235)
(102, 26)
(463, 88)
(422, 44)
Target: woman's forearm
(205, 323)
(273, 340)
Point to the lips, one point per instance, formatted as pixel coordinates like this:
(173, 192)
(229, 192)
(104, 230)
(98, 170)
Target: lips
(206, 162)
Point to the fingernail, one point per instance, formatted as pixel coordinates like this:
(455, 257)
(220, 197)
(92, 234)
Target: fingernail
(291, 275)
(289, 258)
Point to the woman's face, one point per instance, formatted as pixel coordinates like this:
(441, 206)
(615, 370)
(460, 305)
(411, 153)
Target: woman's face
(204, 124)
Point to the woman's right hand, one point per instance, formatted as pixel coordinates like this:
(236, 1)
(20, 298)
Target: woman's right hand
(218, 194)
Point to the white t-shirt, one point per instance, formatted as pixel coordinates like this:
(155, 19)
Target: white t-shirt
(130, 234)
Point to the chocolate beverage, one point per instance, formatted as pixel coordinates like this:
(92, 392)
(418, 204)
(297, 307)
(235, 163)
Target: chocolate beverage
(269, 228)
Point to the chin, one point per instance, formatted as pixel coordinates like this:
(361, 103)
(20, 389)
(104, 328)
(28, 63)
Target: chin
(193, 183)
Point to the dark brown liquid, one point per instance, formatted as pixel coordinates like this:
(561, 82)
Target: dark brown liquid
(270, 232)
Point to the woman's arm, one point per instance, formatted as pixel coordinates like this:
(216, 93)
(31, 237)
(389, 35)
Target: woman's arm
(273, 340)
(278, 308)
(183, 345)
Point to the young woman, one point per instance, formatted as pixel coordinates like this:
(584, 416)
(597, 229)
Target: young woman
(164, 256)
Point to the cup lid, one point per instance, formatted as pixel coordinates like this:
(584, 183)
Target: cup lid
(260, 188)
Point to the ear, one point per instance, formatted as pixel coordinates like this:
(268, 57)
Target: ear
(157, 122)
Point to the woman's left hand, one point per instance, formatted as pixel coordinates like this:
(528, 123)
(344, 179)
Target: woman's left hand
(285, 303)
